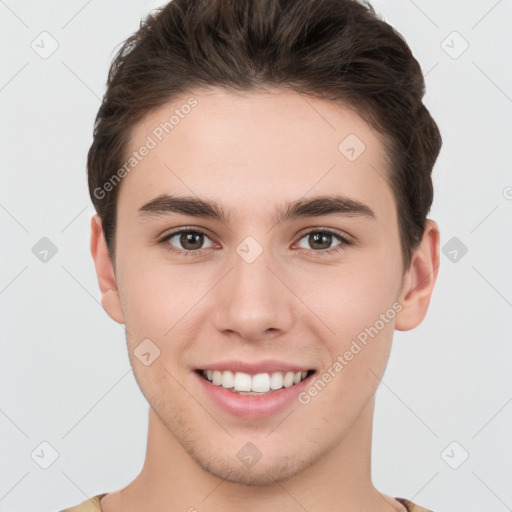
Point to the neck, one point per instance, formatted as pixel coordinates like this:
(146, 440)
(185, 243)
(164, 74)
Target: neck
(172, 480)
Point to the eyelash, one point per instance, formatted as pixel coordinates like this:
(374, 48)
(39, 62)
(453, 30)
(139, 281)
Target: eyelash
(343, 242)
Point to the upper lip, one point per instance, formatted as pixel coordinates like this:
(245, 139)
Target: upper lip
(253, 368)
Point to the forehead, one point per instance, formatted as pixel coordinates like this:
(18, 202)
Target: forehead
(252, 147)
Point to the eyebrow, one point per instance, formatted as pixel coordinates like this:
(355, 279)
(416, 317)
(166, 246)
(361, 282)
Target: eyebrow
(318, 206)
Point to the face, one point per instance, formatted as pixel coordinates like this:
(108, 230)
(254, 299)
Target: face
(291, 263)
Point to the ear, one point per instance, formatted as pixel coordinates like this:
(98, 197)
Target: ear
(418, 282)
(105, 272)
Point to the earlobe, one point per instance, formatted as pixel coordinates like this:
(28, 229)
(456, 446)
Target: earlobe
(419, 280)
(105, 272)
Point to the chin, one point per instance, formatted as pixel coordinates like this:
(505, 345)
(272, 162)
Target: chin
(266, 471)
(262, 475)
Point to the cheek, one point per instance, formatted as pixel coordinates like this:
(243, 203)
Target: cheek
(157, 295)
(358, 353)
(351, 299)
(359, 307)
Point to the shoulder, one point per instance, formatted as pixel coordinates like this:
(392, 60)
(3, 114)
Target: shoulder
(91, 505)
(412, 507)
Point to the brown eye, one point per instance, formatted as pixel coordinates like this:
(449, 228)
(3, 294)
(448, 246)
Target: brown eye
(191, 241)
(321, 241)
(186, 241)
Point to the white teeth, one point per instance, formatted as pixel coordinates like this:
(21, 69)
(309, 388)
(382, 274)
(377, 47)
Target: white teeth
(242, 382)
(288, 380)
(276, 380)
(227, 379)
(260, 383)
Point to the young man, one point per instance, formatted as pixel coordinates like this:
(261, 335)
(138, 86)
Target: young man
(262, 176)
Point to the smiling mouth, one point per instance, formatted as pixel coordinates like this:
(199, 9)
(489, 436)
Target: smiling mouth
(254, 385)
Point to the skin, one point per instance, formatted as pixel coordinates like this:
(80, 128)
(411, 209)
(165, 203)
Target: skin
(252, 153)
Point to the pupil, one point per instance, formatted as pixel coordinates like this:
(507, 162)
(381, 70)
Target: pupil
(188, 238)
(319, 236)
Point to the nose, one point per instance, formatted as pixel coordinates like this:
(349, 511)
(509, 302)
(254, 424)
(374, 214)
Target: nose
(253, 301)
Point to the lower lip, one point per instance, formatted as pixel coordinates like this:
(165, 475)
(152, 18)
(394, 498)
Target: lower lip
(250, 406)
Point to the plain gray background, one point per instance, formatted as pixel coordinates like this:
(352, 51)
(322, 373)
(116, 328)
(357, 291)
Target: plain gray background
(444, 408)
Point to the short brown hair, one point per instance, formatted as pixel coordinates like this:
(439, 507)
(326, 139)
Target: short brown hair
(338, 50)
